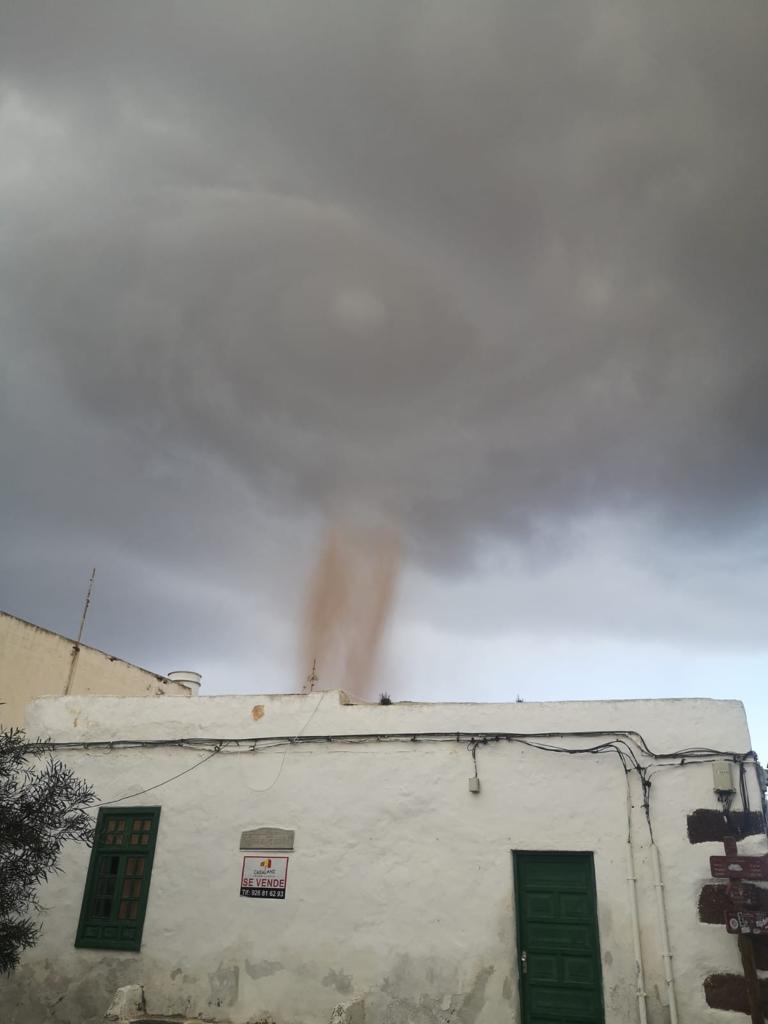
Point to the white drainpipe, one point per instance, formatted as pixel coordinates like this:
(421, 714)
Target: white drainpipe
(639, 975)
(665, 950)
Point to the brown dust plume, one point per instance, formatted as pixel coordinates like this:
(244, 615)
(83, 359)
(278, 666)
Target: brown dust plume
(348, 604)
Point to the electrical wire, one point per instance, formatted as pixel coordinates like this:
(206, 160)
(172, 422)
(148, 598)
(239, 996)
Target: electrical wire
(220, 745)
(150, 789)
(630, 746)
(472, 748)
(306, 725)
(743, 788)
(627, 738)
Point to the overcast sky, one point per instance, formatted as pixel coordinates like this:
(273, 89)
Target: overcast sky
(492, 272)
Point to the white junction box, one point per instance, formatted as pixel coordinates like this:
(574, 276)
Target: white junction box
(721, 775)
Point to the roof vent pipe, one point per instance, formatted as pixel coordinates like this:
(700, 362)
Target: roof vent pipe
(189, 679)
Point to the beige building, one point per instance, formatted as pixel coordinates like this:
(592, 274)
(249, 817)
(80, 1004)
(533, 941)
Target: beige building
(35, 662)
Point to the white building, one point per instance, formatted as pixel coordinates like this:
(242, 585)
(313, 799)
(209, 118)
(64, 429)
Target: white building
(439, 863)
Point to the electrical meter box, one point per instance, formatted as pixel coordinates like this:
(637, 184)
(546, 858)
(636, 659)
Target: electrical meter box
(721, 774)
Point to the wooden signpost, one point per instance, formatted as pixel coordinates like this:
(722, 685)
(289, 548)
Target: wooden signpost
(743, 918)
(741, 897)
(751, 869)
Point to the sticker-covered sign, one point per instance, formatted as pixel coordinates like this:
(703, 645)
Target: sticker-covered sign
(747, 922)
(264, 876)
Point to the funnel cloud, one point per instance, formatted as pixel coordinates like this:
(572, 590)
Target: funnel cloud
(348, 604)
(497, 270)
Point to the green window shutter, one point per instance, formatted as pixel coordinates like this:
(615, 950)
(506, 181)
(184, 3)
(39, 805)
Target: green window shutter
(117, 886)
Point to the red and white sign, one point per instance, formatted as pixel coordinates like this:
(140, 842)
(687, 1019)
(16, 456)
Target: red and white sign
(747, 922)
(264, 876)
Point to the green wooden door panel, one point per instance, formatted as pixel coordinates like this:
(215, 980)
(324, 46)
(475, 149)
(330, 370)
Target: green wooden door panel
(556, 935)
(561, 981)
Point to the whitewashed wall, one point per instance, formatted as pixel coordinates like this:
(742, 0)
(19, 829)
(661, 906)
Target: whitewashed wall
(400, 887)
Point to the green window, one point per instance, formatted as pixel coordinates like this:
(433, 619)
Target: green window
(116, 890)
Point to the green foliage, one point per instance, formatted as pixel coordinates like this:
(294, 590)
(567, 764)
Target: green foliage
(42, 805)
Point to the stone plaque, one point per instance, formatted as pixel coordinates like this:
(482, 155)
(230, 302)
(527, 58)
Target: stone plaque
(267, 839)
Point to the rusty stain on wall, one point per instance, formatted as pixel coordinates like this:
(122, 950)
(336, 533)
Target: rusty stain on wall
(257, 712)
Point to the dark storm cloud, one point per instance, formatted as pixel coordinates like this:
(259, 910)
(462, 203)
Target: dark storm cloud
(491, 267)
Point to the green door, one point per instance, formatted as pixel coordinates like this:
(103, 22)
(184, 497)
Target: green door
(557, 939)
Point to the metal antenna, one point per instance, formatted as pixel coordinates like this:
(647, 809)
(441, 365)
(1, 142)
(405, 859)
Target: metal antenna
(87, 603)
(76, 647)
